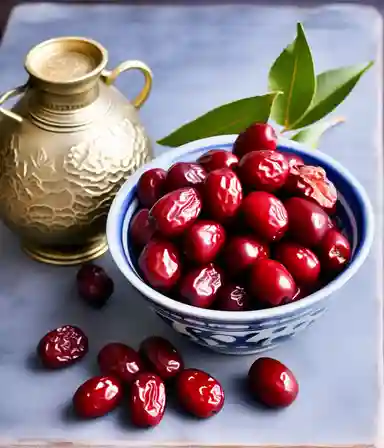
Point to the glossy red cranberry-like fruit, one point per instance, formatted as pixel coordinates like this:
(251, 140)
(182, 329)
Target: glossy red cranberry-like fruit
(176, 211)
(97, 396)
(334, 251)
(308, 222)
(232, 297)
(216, 159)
(161, 357)
(293, 159)
(200, 285)
(62, 347)
(241, 252)
(150, 186)
(257, 137)
(311, 182)
(94, 285)
(159, 262)
(184, 174)
(272, 383)
(266, 215)
(199, 393)
(300, 261)
(263, 170)
(203, 241)
(271, 283)
(121, 361)
(147, 400)
(141, 229)
(222, 194)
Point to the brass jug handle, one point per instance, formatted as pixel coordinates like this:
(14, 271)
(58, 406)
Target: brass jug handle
(110, 77)
(8, 95)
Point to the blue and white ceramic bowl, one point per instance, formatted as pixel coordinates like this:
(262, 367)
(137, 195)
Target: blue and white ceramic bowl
(249, 331)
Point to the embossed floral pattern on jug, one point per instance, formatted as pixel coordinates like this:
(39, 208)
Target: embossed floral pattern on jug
(66, 147)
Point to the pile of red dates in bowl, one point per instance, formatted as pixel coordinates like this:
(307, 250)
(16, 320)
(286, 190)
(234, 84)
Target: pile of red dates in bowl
(239, 241)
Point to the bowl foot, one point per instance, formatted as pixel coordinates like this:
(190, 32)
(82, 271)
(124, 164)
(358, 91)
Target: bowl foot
(67, 255)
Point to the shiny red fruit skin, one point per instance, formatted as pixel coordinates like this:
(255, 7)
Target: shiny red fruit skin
(266, 215)
(94, 285)
(97, 396)
(232, 297)
(271, 283)
(203, 241)
(121, 361)
(257, 137)
(184, 174)
(200, 285)
(293, 159)
(161, 357)
(199, 393)
(215, 159)
(263, 170)
(150, 186)
(311, 182)
(176, 211)
(147, 400)
(222, 193)
(141, 228)
(62, 347)
(241, 252)
(335, 252)
(308, 222)
(272, 383)
(159, 262)
(301, 262)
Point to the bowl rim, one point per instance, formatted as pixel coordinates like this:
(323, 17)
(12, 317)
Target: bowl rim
(161, 300)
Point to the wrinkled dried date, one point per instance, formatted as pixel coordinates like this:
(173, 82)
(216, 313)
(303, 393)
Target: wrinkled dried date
(147, 400)
(62, 347)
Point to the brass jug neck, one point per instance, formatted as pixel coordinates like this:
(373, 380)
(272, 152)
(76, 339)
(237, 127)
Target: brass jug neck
(66, 67)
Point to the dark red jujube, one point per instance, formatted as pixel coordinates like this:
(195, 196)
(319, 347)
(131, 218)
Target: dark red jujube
(199, 393)
(161, 357)
(200, 285)
(150, 186)
(216, 159)
(97, 396)
(203, 241)
(271, 283)
(263, 170)
(62, 347)
(184, 174)
(272, 383)
(176, 211)
(120, 360)
(257, 137)
(241, 252)
(142, 228)
(160, 265)
(308, 222)
(266, 215)
(147, 400)
(222, 194)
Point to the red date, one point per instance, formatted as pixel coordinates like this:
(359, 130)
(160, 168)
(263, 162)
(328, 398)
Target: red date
(176, 211)
(62, 347)
(147, 400)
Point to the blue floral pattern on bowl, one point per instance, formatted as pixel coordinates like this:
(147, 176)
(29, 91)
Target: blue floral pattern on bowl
(251, 331)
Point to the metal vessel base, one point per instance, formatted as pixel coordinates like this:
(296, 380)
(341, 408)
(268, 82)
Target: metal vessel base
(67, 256)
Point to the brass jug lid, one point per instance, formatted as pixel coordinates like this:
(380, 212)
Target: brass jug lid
(66, 60)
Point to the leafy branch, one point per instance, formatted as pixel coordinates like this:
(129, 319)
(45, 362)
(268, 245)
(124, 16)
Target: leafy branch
(297, 100)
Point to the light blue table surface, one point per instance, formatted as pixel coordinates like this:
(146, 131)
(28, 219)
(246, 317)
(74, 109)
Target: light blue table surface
(202, 57)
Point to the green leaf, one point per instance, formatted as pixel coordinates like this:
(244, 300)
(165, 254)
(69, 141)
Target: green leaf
(311, 135)
(293, 73)
(333, 87)
(231, 118)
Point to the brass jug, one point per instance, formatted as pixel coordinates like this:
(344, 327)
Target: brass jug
(66, 147)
